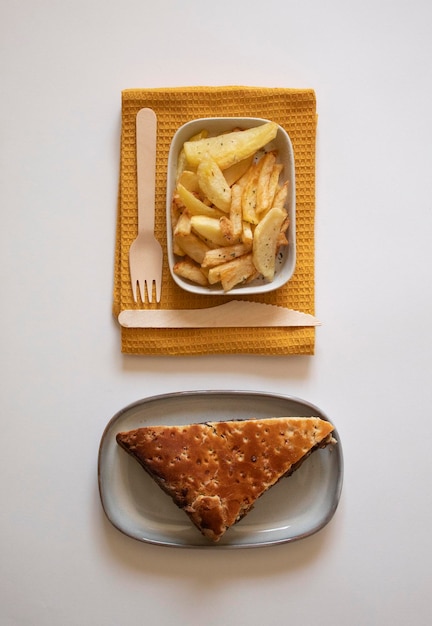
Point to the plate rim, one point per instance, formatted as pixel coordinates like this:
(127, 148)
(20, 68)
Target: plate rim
(215, 392)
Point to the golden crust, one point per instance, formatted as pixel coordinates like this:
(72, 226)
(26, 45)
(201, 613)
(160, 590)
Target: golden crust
(216, 471)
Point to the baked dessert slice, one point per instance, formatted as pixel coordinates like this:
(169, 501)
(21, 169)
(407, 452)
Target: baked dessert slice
(215, 471)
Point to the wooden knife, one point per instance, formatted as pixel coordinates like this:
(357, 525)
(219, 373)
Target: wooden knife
(233, 314)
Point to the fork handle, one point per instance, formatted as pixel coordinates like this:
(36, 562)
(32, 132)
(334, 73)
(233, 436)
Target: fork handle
(146, 130)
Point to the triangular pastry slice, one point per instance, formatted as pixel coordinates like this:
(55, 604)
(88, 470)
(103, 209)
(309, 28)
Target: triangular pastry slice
(216, 471)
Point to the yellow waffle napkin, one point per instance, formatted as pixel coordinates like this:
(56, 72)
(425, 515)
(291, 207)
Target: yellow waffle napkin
(294, 110)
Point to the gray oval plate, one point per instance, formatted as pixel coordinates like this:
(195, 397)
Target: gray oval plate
(294, 508)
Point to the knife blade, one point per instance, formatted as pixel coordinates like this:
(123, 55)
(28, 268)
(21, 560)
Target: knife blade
(232, 314)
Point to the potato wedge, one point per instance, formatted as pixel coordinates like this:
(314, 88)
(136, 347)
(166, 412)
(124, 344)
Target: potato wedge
(189, 180)
(191, 271)
(232, 147)
(265, 242)
(177, 250)
(213, 184)
(194, 205)
(182, 161)
(193, 246)
(183, 226)
(209, 229)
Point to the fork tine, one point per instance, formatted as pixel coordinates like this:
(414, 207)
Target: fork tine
(134, 290)
(158, 284)
(149, 284)
(141, 285)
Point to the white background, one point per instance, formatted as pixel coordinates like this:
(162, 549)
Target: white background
(62, 68)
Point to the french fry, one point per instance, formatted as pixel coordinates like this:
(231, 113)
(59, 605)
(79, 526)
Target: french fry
(231, 230)
(213, 275)
(176, 208)
(236, 215)
(273, 185)
(234, 272)
(227, 229)
(262, 193)
(282, 239)
(193, 246)
(247, 234)
(255, 274)
(225, 254)
(243, 181)
(237, 170)
(281, 196)
(191, 271)
(181, 164)
(249, 196)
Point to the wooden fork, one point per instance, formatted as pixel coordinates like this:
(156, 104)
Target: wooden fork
(145, 253)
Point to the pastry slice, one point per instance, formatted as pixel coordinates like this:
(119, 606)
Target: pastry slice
(216, 471)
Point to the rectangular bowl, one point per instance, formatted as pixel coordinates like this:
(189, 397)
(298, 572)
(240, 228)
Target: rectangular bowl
(286, 259)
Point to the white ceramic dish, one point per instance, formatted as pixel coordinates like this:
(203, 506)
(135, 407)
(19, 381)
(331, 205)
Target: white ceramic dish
(294, 508)
(286, 260)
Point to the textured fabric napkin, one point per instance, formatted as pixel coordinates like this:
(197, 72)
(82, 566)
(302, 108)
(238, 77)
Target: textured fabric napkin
(294, 110)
